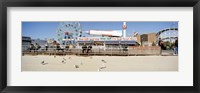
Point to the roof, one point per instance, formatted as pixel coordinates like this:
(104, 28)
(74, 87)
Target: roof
(111, 42)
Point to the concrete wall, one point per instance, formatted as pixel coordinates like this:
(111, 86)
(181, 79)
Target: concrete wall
(145, 50)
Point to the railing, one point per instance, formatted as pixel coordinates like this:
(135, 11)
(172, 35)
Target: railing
(139, 50)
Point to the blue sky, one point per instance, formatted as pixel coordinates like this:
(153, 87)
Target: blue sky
(44, 30)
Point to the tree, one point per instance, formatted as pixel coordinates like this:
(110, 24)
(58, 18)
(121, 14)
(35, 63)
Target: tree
(153, 44)
(167, 45)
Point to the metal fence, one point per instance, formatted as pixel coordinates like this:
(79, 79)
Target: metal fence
(95, 51)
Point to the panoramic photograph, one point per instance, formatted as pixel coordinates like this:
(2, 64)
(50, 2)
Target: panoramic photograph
(99, 46)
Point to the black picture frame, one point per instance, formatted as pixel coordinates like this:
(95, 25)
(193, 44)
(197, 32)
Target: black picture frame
(99, 3)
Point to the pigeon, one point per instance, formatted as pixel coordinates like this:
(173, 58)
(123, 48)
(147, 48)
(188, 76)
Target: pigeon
(63, 61)
(69, 57)
(54, 56)
(76, 66)
(43, 63)
(90, 57)
(102, 67)
(103, 61)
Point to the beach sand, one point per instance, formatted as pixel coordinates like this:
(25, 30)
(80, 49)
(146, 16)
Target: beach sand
(99, 63)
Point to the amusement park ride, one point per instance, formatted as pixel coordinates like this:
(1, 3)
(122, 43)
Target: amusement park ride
(169, 34)
(71, 32)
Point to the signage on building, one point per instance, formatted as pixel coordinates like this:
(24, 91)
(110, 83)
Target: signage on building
(107, 38)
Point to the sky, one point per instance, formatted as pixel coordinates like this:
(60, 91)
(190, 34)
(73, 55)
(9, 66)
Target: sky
(48, 30)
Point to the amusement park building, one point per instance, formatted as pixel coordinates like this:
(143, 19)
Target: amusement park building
(114, 42)
(26, 41)
(70, 33)
(146, 39)
(39, 42)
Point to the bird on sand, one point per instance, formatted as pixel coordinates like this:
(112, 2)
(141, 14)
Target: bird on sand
(103, 61)
(76, 66)
(63, 61)
(69, 57)
(43, 63)
(102, 67)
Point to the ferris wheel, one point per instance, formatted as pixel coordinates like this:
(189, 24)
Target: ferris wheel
(68, 32)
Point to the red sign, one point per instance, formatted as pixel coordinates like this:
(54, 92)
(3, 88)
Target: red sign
(124, 26)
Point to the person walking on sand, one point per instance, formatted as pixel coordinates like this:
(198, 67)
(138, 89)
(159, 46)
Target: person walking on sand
(84, 48)
(34, 48)
(37, 46)
(46, 46)
(125, 48)
(160, 43)
(31, 47)
(89, 49)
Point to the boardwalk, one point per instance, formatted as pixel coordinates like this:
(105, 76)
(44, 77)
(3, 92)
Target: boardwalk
(99, 52)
